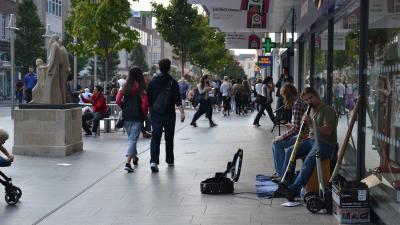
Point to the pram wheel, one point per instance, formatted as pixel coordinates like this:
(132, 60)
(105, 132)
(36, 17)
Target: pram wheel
(309, 195)
(17, 191)
(11, 199)
(314, 204)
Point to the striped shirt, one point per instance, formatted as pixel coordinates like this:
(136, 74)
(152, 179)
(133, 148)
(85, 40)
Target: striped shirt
(298, 111)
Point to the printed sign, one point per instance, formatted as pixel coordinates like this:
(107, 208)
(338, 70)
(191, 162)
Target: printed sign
(243, 40)
(234, 19)
(264, 61)
(250, 5)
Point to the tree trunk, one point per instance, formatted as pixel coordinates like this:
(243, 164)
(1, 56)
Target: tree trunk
(182, 65)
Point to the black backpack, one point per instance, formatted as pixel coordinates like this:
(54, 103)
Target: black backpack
(160, 105)
(132, 108)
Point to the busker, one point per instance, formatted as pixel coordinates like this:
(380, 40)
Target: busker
(326, 126)
(292, 100)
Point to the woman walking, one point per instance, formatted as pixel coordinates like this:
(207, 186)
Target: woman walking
(226, 89)
(205, 104)
(265, 100)
(132, 98)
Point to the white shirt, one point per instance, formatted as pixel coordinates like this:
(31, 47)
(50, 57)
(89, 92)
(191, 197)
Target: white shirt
(259, 88)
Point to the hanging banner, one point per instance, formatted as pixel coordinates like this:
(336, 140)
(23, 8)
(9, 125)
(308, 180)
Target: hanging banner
(251, 5)
(234, 19)
(243, 40)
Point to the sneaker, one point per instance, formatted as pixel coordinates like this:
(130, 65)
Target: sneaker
(154, 167)
(171, 164)
(212, 124)
(136, 162)
(193, 124)
(287, 192)
(128, 168)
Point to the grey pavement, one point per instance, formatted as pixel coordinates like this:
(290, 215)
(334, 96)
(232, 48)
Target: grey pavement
(95, 189)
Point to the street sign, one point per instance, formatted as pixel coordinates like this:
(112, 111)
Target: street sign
(264, 61)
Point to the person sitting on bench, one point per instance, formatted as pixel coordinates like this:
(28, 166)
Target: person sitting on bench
(5, 162)
(280, 143)
(326, 129)
(99, 110)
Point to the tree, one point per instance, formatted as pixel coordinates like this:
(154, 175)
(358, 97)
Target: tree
(112, 65)
(82, 58)
(29, 41)
(101, 26)
(178, 24)
(138, 58)
(210, 47)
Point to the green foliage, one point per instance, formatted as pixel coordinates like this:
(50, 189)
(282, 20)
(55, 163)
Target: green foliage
(178, 24)
(138, 58)
(112, 66)
(82, 58)
(209, 48)
(102, 27)
(29, 42)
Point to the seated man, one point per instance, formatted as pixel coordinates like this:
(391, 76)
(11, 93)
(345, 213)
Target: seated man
(3, 138)
(326, 125)
(99, 110)
(286, 140)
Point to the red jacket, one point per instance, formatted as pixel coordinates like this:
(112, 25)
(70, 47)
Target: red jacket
(99, 103)
(134, 91)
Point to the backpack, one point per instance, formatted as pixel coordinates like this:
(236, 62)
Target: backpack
(132, 108)
(160, 105)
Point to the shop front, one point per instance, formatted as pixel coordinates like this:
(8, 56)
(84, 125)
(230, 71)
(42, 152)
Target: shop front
(350, 51)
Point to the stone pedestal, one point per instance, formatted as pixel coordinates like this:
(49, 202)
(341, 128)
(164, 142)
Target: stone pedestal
(47, 132)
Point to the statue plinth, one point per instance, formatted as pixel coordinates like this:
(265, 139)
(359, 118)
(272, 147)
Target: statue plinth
(45, 130)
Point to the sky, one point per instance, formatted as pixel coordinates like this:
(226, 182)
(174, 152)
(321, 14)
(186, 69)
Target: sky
(145, 5)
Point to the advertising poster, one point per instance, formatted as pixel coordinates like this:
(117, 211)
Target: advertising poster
(235, 19)
(243, 40)
(251, 5)
(265, 61)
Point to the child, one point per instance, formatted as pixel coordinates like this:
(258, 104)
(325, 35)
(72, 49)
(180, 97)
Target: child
(3, 138)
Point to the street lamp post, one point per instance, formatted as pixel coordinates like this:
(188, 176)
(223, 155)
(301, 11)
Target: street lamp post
(12, 28)
(75, 66)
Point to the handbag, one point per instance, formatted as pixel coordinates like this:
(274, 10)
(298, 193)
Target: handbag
(120, 122)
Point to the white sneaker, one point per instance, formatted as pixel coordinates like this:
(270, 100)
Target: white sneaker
(154, 167)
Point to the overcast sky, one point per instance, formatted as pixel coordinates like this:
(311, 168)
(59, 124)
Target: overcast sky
(145, 5)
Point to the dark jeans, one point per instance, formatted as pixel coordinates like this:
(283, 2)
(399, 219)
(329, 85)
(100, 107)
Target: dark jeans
(266, 106)
(227, 103)
(239, 104)
(96, 116)
(205, 107)
(28, 95)
(19, 96)
(158, 123)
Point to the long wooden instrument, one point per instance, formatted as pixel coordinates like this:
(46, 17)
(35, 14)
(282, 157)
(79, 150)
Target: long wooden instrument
(346, 139)
(290, 170)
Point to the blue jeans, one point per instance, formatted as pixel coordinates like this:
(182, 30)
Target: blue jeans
(158, 123)
(307, 149)
(4, 162)
(133, 129)
(279, 151)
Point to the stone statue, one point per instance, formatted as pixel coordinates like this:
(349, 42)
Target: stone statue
(64, 69)
(38, 90)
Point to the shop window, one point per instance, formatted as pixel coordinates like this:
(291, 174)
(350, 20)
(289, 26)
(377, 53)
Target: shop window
(346, 38)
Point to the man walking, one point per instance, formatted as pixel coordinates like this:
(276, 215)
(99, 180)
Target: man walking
(163, 93)
(29, 83)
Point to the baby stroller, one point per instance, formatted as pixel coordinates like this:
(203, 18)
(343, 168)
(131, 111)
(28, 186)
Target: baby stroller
(13, 193)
